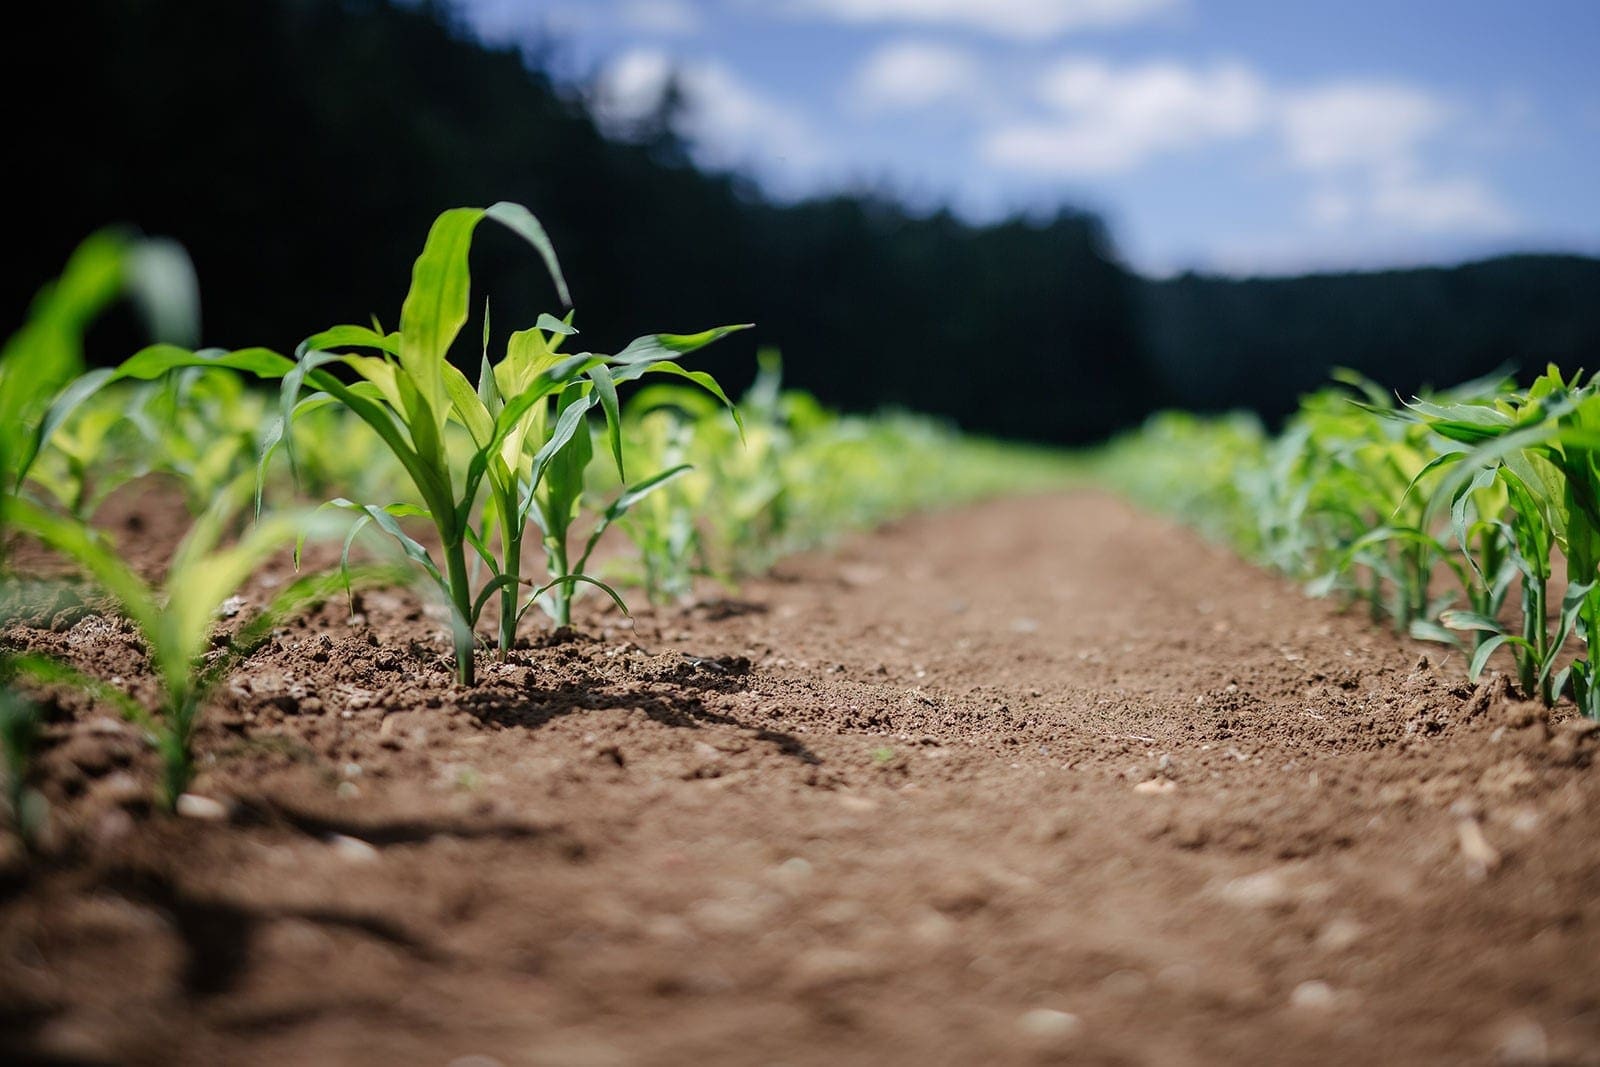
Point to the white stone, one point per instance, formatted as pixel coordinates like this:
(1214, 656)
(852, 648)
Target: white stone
(1049, 1024)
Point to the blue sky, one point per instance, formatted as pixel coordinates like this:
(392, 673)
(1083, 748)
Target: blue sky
(1222, 135)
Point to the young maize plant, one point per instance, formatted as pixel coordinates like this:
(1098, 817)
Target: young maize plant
(1198, 468)
(665, 423)
(527, 419)
(204, 427)
(40, 360)
(1539, 450)
(98, 449)
(1370, 533)
(176, 618)
(199, 424)
(36, 365)
(337, 455)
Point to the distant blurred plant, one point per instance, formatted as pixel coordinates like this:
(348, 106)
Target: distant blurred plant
(176, 618)
(1485, 482)
(41, 364)
(19, 731)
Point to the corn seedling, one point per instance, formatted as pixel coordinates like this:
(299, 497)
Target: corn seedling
(176, 618)
(40, 360)
(91, 454)
(527, 419)
(1541, 448)
(664, 529)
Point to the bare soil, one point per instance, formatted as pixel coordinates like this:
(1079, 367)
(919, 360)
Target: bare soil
(1044, 780)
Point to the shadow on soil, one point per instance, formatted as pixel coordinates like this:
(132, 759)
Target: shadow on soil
(670, 697)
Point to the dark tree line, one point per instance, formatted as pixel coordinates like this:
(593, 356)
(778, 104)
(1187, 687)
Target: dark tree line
(299, 149)
(1262, 342)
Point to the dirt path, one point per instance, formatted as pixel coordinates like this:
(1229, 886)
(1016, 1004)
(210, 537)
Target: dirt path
(1045, 779)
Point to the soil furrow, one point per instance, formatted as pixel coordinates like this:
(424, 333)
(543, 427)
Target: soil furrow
(1042, 779)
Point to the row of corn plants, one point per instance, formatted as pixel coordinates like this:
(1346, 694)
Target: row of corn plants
(803, 475)
(551, 471)
(475, 463)
(1470, 517)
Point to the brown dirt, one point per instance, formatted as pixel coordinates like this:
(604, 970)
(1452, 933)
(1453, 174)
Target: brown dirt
(1046, 779)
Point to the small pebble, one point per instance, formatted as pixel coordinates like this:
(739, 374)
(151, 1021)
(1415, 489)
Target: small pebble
(1522, 1041)
(1155, 786)
(195, 806)
(1339, 935)
(112, 825)
(1313, 996)
(1125, 984)
(352, 849)
(1264, 889)
(1049, 1024)
(122, 789)
(793, 872)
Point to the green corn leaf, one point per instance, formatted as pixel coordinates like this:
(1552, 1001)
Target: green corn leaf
(574, 579)
(566, 433)
(435, 308)
(559, 327)
(481, 547)
(386, 519)
(434, 311)
(1424, 630)
(620, 506)
(657, 346)
(520, 220)
(1468, 620)
(201, 577)
(606, 389)
(354, 337)
(160, 280)
(1480, 658)
(1572, 604)
(705, 381)
(48, 350)
(468, 407)
(156, 361)
(381, 374)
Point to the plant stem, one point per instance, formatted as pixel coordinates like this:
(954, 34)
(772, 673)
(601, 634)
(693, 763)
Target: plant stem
(561, 593)
(510, 593)
(172, 742)
(455, 560)
(1588, 703)
(1533, 626)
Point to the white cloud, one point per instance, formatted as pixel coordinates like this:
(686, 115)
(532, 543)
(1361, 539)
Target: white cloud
(631, 85)
(729, 122)
(1027, 19)
(910, 75)
(1406, 198)
(1111, 120)
(1365, 141)
(1356, 124)
(663, 17)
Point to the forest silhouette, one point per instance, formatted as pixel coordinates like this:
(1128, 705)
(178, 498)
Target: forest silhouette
(299, 149)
